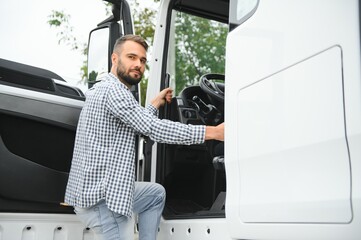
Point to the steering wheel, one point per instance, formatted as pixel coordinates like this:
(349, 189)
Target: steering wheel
(214, 89)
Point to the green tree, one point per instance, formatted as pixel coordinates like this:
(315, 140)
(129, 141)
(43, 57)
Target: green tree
(200, 48)
(144, 25)
(61, 21)
(199, 43)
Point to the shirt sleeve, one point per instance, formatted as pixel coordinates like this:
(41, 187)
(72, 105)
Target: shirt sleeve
(123, 106)
(153, 110)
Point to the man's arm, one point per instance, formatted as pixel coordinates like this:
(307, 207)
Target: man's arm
(216, 133)
(164, 96)
(212, 132)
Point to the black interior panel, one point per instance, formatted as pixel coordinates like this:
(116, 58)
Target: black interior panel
(191, 182)
(195, 187)
(188, 175)
(45, 144)
(34, 165)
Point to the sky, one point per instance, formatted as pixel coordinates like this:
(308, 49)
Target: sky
(26, 37)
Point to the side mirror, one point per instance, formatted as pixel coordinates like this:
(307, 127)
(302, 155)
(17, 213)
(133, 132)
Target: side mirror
(100, 48)
(241, 11)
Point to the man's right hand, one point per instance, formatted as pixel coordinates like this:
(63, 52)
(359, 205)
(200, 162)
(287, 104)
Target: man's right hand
(216, 133)
(164, 96)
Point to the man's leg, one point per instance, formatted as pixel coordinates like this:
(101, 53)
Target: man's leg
(107, 225)
(149, 199)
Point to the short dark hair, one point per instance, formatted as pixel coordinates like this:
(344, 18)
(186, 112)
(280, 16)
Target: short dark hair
(130, 37)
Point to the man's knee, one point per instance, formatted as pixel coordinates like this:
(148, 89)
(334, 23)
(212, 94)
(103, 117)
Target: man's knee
(159, 192)
(149, 188)
(160, 189)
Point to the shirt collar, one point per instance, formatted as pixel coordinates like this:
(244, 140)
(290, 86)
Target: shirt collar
(114, 78)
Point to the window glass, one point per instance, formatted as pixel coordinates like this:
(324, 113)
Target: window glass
(97, 57)
(198, 48)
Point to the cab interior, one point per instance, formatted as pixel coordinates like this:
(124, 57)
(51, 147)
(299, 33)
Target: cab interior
(194, 176)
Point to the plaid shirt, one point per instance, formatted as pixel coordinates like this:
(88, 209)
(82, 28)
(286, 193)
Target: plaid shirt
(104, 152)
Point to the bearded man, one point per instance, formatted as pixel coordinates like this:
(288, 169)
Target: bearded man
(101, 186)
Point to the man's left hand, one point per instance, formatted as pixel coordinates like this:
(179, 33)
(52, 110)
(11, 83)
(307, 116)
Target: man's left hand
(164, 96)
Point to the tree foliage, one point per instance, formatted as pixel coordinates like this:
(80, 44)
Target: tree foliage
(199, 43)
(199, 48)
(61, 21)
(144, 25)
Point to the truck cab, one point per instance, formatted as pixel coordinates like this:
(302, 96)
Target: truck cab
(285, 78)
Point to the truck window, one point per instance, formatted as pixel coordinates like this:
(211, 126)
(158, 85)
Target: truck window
(195, 187)
(198, 47)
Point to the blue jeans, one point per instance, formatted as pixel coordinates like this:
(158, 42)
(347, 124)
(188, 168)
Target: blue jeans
(149, 199)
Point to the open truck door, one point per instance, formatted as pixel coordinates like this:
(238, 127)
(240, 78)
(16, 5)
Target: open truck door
(39, 112)
(293, 120)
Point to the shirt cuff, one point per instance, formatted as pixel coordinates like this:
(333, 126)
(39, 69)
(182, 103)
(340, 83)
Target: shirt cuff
(199, 133)
(152, 109)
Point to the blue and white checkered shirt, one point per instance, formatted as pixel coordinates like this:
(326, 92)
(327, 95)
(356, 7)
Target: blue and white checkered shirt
(104, 152)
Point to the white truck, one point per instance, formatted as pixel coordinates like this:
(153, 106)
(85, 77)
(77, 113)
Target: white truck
(288, 89)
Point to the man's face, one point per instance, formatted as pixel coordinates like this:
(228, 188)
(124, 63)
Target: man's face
(130, 63)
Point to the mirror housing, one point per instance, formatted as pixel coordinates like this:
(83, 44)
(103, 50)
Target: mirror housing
(102, 40)
(100, 48)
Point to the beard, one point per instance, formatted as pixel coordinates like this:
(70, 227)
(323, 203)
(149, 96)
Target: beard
(121, 72)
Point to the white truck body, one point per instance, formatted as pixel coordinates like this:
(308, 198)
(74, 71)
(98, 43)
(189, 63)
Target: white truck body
(292, 113)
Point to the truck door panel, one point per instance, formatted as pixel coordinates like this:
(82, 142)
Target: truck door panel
(37, 132)
(293, 87)
(295, 165)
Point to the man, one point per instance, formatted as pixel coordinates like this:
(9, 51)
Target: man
(101, 184)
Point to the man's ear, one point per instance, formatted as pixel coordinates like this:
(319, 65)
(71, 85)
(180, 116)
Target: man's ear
(114, 58)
